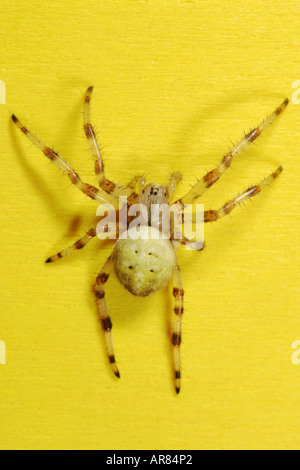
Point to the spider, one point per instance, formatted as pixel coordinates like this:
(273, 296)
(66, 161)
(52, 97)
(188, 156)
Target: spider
(144, 266)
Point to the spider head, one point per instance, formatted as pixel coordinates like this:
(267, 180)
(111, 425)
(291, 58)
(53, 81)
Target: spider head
(154, 194)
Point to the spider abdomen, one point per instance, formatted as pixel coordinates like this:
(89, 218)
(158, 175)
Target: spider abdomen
(143, 265)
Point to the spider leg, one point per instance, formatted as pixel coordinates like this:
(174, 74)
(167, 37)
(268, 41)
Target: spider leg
(178, 293)
(191, 245)
(76, 246)
(176, 232)
(90, 191)
(213, 176)
(175, 178)
(103, 312)
(137, 183)
(213, 215)
(105, 184)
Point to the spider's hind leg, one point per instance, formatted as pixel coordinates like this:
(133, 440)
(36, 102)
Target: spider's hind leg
(103, 312)
(178, 293)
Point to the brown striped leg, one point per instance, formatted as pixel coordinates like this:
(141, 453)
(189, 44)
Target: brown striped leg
(108, 186)
(103, 312)
(174, 180)
(178, 293)
(137, 183)
(76, 246)
(213, 215)
(213, 176)
(90, 191)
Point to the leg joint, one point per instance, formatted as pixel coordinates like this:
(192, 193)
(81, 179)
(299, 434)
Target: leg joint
(106, 324)
(102, 278)
(178, 310)
(176, 339)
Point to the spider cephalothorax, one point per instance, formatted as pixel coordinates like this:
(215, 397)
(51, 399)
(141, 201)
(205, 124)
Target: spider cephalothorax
(146, 264)
(154, 194)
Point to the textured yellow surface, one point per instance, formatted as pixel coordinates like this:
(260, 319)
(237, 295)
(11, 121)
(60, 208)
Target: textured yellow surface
(175, 82)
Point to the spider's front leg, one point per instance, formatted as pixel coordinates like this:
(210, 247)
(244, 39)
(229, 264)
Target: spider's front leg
(105, 184)
(103, 312)
(213, 176)
(178, 293)
(87, 189)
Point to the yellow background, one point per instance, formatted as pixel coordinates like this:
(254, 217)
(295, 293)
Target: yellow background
(175, 83)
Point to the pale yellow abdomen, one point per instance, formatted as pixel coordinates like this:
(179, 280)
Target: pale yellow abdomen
(144, 265)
